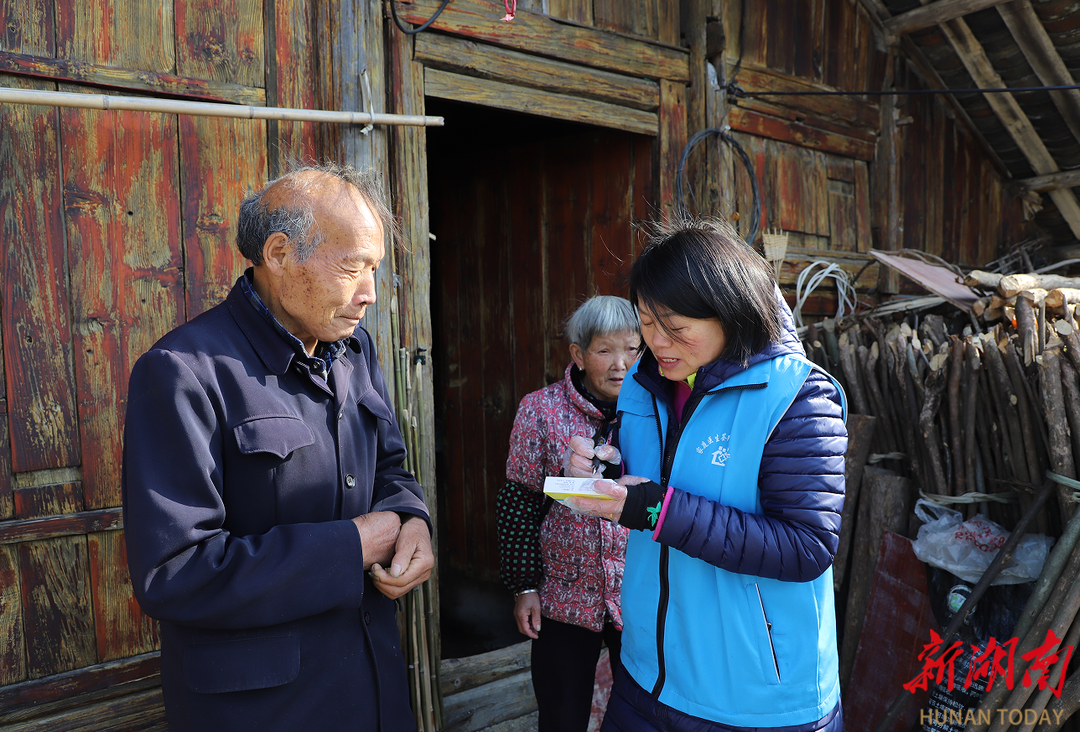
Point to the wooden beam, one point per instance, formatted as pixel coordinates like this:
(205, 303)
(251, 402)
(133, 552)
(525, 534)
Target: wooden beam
(672, 139)
(74, 524)
(444, 85)
(539, 34)
(935, 14)
(1051, 181)
(847, 110)
(1010, 114)
(464, 56)
(1040, 52)
(762, 125)
(79, 72)
(55, 694)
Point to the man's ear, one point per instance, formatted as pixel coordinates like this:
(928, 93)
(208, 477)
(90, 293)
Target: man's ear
(577, 355)
(276, 250)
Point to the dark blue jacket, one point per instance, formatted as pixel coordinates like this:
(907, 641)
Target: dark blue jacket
(242, 470)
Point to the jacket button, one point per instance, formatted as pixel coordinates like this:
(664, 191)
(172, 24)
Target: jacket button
(367, 618)
(350, 481)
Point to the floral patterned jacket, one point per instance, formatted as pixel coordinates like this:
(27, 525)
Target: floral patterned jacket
(574, 560)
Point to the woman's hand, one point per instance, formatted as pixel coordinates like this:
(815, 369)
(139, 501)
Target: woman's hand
(577, 462)
(610, 508)
(527, 614)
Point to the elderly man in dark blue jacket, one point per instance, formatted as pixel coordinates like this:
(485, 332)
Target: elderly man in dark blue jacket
(270, 524)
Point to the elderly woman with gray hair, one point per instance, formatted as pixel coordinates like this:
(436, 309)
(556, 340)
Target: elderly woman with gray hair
(563, 566)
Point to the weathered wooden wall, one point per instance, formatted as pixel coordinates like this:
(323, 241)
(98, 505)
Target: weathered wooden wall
(117, 226)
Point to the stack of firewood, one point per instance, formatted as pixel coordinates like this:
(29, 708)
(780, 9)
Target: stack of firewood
(967, 412)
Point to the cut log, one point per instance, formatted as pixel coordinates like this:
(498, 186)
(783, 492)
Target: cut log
(1060, 445)
(954, 394)
(1010, 285)
(1062, 296)
(987, 281)
(932, 443)
(1027, 329)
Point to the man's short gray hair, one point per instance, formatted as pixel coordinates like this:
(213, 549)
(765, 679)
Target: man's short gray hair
(599, 316)
(296, 220)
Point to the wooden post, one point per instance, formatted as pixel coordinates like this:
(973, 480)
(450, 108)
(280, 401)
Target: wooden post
(860, 437)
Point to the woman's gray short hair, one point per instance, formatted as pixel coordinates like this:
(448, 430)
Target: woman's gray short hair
(601, 315)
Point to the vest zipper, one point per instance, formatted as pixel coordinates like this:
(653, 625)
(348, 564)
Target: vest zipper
(665, 475)
(768, 631)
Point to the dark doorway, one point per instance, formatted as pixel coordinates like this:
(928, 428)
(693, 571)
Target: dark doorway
(531, 217)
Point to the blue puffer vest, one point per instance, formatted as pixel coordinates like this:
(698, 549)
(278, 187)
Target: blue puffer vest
(737, 649)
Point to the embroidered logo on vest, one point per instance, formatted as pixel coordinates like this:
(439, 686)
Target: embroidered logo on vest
(720, 456)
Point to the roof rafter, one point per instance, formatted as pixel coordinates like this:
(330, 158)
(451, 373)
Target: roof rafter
(935, 14)
(1011, 116)
(1038, 49)
(1051, 181)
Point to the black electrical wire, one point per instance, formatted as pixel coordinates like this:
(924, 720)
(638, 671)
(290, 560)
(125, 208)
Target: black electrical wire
(740, 93)
(680, 176)
(414, 31)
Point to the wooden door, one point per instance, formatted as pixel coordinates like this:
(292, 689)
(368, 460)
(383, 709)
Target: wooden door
(531, 217)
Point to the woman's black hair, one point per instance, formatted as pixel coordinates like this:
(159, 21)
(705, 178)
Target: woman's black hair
(701, 269)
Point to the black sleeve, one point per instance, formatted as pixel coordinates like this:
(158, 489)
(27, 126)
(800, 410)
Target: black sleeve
(519, 511)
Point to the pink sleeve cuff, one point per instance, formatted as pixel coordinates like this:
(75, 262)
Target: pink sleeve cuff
(663, 514)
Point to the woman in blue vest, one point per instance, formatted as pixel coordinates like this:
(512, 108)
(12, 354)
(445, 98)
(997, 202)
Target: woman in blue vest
(733, 481)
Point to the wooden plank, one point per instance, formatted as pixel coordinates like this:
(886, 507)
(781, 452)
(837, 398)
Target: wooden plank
(616, 15)
(126, 295)
(27, 26)
(7, 502)
(294, 64)
(464, 56)
(41, 400)
(819, 123)
(935, 13)
(461, 674)
(121, 628)
(12, 638)
(744, 120)
(574, 10)
(484, 706)
(48, 500)
(143, 711)
(672, 140)
(139, 37)
(864, 238)
(849, 110)
(1010, 114)
(220, 41)
(56, 605)
(111, 77)
(545, 36)
(14, 532)
(444, 85)
(667, 22)
(609, 237)
(842, 234)
(65, 691)
(220, 160)
(409, 176)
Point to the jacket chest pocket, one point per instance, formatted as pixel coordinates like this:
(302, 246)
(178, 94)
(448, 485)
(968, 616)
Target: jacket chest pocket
(274, 436)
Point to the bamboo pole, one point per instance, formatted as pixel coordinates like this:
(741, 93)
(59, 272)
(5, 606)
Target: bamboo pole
(208, 109)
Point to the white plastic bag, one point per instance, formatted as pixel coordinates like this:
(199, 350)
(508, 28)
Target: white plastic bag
(966, 548)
